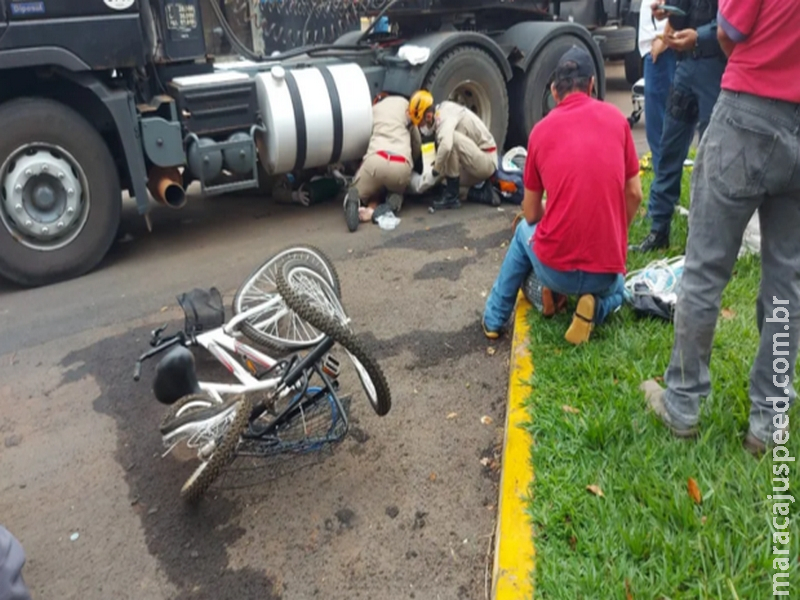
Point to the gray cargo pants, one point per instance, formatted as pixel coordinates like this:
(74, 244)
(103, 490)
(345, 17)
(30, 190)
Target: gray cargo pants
(12, 559)
(748, 160)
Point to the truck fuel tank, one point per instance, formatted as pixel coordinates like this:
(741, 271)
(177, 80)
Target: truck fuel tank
(313, 116)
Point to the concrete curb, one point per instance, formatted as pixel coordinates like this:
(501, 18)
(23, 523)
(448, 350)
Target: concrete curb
(514, 552)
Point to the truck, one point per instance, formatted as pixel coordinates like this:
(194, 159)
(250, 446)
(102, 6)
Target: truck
(104, 97)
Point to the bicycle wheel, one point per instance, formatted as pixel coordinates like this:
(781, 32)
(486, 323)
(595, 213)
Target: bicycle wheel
(223, 453)
(270, 328)
(301, 289)
(190, 404)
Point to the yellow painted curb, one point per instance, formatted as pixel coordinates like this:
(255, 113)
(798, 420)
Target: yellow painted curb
(514, 552)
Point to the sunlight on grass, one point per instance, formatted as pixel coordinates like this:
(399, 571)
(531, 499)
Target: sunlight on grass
(646, 537)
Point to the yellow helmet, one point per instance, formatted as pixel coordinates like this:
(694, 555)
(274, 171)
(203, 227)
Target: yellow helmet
(420, 102)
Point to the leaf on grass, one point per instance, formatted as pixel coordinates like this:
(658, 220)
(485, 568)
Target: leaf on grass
(694, 491)
(452, 415)
(573, 542)
(595, 489)
(728, 313)
(628, 593)
(704, 519)
(491, 350)
(570, 409)
(659, 379)
(486, 420)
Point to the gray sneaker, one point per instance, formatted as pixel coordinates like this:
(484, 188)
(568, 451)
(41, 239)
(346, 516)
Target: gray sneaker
(654, 395)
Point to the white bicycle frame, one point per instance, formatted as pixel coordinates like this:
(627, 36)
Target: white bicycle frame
(223, 342)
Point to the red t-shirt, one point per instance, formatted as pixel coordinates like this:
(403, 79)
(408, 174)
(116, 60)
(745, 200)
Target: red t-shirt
(582, 153)
(766, 58)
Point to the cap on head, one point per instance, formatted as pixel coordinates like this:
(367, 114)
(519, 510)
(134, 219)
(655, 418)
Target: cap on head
(576, 63)
(420, 102)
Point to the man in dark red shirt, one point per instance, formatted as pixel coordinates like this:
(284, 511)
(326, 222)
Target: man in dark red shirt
(582, 154)
(747, 161)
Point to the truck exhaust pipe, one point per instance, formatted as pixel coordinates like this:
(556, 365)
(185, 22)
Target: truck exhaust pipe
(166, 186)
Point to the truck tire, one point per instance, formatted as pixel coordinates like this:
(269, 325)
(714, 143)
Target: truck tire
(530, 93)
(615, 42)
(469, 76)
(60, 196)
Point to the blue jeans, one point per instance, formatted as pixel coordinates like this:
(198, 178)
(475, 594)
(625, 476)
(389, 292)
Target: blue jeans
(694, 92)
(607, 288)
(657, 81)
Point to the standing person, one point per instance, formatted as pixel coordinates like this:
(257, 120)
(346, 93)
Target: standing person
(695, 88)
(577, 245)
(388, 163)
(465, 149)
(12, 560)
(659, 69)
(747, 161)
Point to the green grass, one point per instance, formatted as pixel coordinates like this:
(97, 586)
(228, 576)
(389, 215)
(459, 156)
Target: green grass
(646, 537)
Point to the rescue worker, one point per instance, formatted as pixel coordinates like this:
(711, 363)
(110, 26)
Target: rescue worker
(465, 149)
(695, 88)
(388, 163)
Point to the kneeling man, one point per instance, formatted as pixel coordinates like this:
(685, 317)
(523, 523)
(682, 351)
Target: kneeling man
(582, 154)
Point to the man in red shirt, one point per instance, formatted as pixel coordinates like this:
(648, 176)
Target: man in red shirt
(582, 154)
(747, 161)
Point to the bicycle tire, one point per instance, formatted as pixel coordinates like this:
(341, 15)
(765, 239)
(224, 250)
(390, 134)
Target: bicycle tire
(315, 259)
(202, 478)
(176, 410)
(344, 336)
(330, 298)
(329, 270)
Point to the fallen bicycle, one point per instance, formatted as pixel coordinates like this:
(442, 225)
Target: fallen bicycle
(291, 307)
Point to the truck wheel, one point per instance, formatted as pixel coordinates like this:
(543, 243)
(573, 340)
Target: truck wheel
(530, 94)
(60, 196)
(470, 77)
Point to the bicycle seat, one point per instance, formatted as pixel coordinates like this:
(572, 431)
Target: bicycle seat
(175, 376)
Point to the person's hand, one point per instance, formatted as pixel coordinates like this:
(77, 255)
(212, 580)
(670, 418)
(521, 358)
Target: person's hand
(658, 14)
(683, 40)
(659, 46)
(516, 221)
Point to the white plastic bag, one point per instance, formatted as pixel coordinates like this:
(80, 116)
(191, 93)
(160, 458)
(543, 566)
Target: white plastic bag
(388, 221)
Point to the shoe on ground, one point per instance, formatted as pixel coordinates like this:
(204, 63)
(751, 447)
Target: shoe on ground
(552, 303)
(395, 202)
(582, 321)
(351, 213)
(491, 335)
(755, 446)
(654, 396)
(449, 197)
(655, 240)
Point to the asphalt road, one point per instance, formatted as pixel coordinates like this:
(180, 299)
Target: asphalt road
(403, 508)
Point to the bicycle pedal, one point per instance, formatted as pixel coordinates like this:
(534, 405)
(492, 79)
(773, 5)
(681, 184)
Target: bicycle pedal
(331, 366)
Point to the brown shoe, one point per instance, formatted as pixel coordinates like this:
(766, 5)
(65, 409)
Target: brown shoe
(654, 396)
(552, 303)
(755, 446)
(582, 321)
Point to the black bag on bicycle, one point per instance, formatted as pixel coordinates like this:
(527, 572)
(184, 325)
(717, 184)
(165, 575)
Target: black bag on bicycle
(203, 310)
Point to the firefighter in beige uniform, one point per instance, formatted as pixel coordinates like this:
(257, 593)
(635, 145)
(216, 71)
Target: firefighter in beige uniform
(388, 163)
(465, 149)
